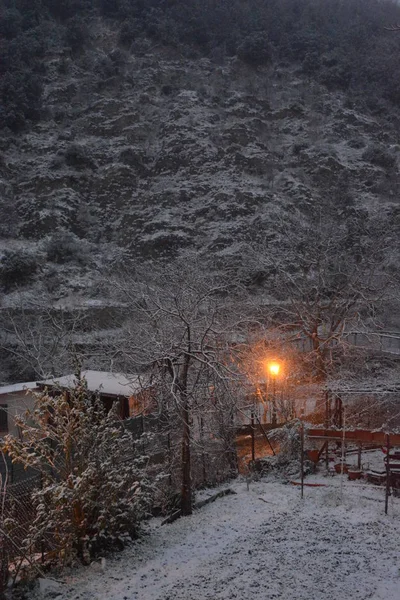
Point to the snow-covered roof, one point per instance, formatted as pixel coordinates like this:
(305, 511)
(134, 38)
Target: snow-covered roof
(18, 387)
(110, 384)
(372, 386)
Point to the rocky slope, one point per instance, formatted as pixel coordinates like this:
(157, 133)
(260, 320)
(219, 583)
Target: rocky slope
(151, 152)
(145, 153)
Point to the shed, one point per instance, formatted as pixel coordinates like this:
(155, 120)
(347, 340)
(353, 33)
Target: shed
(134, 394)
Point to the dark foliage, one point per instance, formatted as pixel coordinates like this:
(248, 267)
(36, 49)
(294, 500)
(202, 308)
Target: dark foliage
(128, 32)
(17, 268)
(20, 98)
(342, 44)
(255, 49)
(66, 9)
(63, 247)
(77, 156)
(76, 34)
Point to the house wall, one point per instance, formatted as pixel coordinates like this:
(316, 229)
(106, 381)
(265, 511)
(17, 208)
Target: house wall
(142, 403)
(17, 403)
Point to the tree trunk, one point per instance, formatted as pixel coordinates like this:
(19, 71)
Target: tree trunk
(231, 446)
(319, 358)
(186, 494)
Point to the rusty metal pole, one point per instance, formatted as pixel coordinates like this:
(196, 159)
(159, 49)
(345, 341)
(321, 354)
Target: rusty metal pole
(327, 421)
(265, 435)
(387, 493)
(327, 409)
(253, 453)
(302, 458)
(343, 423)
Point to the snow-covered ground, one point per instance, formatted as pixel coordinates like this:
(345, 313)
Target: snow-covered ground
(370, 460)
(260, 544)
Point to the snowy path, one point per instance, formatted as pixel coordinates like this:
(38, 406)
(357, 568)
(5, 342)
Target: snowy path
(243, 547)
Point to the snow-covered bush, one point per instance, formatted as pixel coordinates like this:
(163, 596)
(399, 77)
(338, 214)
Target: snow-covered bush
(94, 489)
(63, 247)
(287, 439)
(287, 443)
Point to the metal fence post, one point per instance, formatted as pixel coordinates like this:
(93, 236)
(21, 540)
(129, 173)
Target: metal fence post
(302, 458)
(253, 453)
(387, 493)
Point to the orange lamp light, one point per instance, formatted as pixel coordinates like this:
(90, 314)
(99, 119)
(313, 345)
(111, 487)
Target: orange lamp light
(274, 368)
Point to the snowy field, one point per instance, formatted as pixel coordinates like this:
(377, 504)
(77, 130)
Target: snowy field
(260, 544)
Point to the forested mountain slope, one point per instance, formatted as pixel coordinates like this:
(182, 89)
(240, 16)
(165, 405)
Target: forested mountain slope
(141, 128)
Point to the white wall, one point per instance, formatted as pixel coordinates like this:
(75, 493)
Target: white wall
(17, 403)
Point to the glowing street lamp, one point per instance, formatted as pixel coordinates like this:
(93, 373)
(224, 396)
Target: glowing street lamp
(274, 369)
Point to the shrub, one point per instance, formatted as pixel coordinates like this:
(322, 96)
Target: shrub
(63, 246)
(127, 33)
(109, 8)
(311, 63)
(95, 491)
(287, 461)
(78, 156)
(167, 90)
(17, 267)
(336, 71)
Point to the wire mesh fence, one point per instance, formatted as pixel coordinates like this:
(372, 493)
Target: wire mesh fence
(17, 515)
(212, 461)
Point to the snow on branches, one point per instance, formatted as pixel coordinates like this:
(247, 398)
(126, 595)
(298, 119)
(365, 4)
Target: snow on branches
(94, 488)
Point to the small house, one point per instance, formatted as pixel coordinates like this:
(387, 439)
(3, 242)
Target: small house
(132, 393)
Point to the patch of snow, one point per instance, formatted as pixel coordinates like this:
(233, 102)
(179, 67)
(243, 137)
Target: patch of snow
(18, 387)
(115, 384)
(262, 543)
(49, 588)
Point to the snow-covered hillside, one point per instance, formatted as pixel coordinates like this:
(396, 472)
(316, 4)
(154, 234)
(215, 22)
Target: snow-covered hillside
(154, 152)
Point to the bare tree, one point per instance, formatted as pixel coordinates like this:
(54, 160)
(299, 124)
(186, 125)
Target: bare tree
(326, 279)
(38, 339)
(179, 330)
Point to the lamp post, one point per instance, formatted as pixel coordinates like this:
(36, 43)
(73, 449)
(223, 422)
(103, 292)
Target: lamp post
(274, 369)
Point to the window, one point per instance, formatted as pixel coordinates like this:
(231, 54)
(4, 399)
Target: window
(3, 418)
